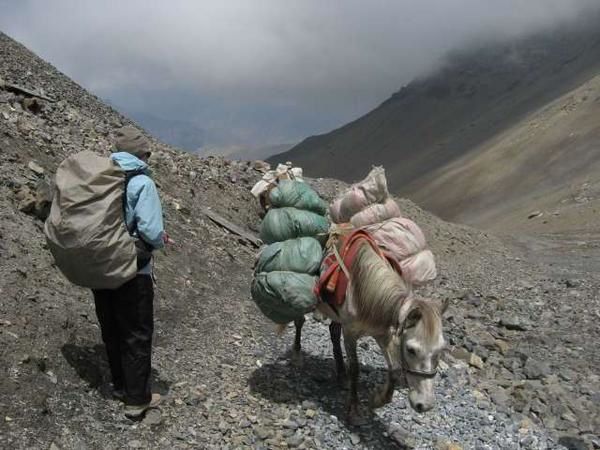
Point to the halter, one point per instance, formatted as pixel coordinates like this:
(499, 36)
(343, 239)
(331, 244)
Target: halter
(418, 373)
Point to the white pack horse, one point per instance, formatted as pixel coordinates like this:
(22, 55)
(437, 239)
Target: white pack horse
(408, 331)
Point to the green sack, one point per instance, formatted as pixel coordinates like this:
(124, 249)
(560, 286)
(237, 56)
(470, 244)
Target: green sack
(299, 195)
(281, 224)
(284, 296)
(302, 255)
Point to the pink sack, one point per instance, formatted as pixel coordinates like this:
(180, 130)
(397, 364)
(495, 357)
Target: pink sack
(399, 237)
(418, 269)
(373, 189)
(376, 213)
(351, 202)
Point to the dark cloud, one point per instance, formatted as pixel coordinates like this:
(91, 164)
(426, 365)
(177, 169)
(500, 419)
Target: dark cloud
(264, 69)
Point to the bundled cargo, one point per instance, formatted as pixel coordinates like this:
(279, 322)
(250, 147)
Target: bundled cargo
(302, 255)
(295, 227)
(400, 237)
(367, 205)
(297, 194)
(272, 178)
(281, 224)
(284, 296)
(376, 213)
(373, 189)
(419, 268)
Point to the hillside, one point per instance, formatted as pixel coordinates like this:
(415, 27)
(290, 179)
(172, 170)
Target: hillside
(549, 162)
(478, 109)
(517, 370)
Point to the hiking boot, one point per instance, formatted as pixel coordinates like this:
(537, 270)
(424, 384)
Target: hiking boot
(136, 411)
(119, 394)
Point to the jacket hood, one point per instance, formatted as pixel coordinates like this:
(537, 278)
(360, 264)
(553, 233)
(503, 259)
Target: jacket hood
(128, 162)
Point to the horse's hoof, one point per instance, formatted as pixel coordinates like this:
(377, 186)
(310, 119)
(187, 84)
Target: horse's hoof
(355, 418)
(378, 400)
(297, 360)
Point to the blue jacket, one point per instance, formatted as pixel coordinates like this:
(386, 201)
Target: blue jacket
(143, 204)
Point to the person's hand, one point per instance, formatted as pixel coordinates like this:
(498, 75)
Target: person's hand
(167, 239)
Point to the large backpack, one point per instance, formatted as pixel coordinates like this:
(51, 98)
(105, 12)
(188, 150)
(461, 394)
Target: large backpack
(86, 230)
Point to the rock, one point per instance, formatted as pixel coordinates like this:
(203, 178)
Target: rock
(476, 361)
(499, 396)
(447, 445)
(354, 438)
(310, 413)
(26, 201)
(263, 433)
(52, 377)
(32, 105)
(502, 346)
(135, 444)
(514, 323)
(153, 417)
(295, 441)
(43, 200)
(567, 374)
(471, 358)
(290, 424)
(401, 436)
(535, 370)
(569, 417)
(534, 214)
(307, 404)
(36, 168)
(461, 354)
(573, 443)
(538, 407)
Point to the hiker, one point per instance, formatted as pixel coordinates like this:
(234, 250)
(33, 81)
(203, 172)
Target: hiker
(126, 313)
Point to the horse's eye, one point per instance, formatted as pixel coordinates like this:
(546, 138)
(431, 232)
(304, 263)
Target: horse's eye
(411, 351)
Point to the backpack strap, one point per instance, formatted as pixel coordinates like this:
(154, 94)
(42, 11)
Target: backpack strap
(143, 249)
(129, 175)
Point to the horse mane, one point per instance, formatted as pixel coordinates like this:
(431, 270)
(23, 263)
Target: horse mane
(379, 292)
(431, 318)
(377, 289)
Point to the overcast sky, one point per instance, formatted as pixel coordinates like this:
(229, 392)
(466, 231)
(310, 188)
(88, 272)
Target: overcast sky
(261, 71)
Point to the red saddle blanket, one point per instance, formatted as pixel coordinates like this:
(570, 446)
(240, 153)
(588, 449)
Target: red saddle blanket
(332, 284)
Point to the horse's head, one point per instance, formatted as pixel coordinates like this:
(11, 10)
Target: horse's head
(418, 342)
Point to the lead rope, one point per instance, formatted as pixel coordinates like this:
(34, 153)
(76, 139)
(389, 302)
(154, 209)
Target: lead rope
(341, 262)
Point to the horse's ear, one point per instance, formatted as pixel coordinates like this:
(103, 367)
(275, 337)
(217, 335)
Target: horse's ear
(413, 317)
(443, 305)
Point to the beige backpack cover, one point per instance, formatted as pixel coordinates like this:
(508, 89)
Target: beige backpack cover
(86, 230)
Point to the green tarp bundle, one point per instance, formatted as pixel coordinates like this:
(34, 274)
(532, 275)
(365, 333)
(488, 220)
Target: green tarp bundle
(302, 255)
(281, 224)
(295, 227)
(284, 296)
(297, 194)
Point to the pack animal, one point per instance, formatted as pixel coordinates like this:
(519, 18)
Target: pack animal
(408, 331)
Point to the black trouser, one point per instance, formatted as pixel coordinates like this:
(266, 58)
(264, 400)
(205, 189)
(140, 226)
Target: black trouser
(126, 320)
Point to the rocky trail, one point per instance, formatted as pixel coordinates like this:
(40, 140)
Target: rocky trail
(521, 370)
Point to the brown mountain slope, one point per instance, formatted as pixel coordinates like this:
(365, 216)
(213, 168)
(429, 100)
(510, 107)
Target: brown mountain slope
(549, 161)
(437, 120)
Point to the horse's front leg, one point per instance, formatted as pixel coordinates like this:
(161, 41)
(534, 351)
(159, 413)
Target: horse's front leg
(335, 332)
(384, 395)
(296, 350)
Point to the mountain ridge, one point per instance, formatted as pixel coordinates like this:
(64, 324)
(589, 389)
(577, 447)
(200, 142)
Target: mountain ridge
(438, 119)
